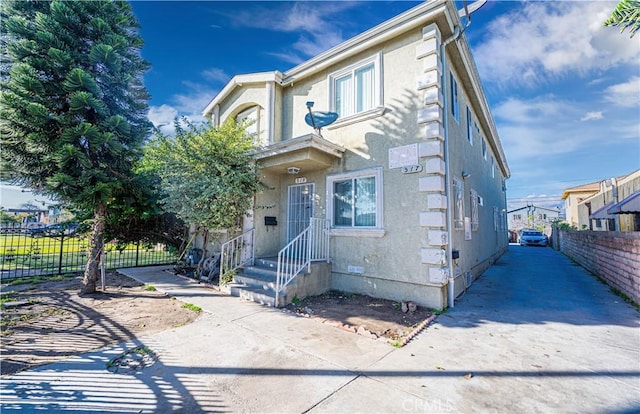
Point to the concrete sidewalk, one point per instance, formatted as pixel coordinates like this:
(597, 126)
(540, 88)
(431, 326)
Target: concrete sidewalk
(535, 334)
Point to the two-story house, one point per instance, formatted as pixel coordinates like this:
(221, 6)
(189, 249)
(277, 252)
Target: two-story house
(402, 197)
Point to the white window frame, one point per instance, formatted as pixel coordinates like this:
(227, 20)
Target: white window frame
(357, 231)
(474, 210)
(493, 167)
(378, 85)
(458, 204)
(469, 126)
(484, 148)
(253, 113)
(455, 107)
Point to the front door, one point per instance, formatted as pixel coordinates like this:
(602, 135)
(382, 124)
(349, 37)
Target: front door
(299, 209)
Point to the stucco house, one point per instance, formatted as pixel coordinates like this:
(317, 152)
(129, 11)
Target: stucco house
(403, 197)
(614, 206)
(575, 195)
(532, 216)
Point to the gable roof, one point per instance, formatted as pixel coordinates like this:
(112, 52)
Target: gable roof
(444, 12)
(535, 208)
(584, 188)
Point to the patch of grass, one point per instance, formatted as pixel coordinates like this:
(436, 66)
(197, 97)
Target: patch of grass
(150, 288)
(192, 307)
(227, 277)
(438, 312)
(7, 297)
(396, 344)
(33, 280)
(296, 300)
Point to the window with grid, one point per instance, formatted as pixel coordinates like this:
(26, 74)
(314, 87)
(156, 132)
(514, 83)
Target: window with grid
(458, 211)
(474, 210)
(357, 88)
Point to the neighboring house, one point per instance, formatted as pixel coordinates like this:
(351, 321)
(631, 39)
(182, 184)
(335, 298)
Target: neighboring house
(29, 215)
(405, 192)
(612, 208)
(574, 196)
(532, 217)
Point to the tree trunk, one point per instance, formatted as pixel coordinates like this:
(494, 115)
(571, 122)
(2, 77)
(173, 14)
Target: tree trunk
(96, 247)
(204, 253)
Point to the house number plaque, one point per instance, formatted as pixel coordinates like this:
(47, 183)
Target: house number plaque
(410, 169)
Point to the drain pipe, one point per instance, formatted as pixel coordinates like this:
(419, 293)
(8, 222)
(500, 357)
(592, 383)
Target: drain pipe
(448, 179)
(457, 32)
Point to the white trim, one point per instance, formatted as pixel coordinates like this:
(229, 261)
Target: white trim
(270, 111)
(239, 80)
(376, 59)
(357, 232)
(411, 19)
(375, 172)
(362, 116)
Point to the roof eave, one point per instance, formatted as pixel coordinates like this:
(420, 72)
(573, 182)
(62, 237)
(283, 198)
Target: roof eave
(239, 80)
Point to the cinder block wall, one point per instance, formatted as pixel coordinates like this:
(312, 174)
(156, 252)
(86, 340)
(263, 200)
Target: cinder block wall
(612, 255)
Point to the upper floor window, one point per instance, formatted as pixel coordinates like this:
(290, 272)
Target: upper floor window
(484, 148)
(454, 97)
(357, 88)
(253, 117)
(493, 167)
(469, 126)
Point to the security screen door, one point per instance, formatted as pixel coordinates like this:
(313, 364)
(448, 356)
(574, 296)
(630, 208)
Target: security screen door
(299, 209)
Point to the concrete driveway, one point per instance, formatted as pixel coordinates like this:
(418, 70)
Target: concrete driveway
(536, 333)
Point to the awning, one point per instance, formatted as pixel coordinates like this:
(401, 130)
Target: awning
(629, 205)
(601, 213)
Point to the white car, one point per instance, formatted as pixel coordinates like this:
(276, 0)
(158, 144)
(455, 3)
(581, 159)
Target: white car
(533, 238)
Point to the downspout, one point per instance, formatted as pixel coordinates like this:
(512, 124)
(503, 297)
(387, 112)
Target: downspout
(457, 32)
(448, 179)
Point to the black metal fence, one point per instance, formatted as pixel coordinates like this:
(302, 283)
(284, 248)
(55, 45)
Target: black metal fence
(33, 251)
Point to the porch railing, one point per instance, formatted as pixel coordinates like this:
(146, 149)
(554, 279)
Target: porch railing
(310, 245)
(237, 252)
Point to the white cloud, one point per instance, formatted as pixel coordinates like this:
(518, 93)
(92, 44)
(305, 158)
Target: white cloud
(162, 117)
(188, 104)
(625, 94)
(215, 75)
(546, 126)
(547, 40)
(592, 116)
(317, 23)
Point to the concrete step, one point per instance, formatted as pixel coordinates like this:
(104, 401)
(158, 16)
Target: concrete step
(258, 282)
(257, 279)
(255, 294)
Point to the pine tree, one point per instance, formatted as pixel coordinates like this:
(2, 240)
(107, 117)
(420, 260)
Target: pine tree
(72, 105)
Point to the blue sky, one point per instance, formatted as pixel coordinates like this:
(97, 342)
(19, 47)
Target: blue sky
(564, 91)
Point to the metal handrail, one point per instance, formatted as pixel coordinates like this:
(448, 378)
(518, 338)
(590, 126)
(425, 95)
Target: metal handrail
(310, 245)
(237, 252)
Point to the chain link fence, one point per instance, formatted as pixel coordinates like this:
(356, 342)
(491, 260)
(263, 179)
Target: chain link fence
(33, 251)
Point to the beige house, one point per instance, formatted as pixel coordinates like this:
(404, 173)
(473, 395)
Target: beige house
(574, 196)
(612, 208)
(402, 197)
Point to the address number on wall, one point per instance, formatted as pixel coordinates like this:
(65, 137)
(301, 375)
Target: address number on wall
(410, 169)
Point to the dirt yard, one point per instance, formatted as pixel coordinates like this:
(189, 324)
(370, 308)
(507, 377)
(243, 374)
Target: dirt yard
(49, 321)
(395, 321)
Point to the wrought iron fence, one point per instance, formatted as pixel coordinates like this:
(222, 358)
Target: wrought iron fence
(26, 252)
